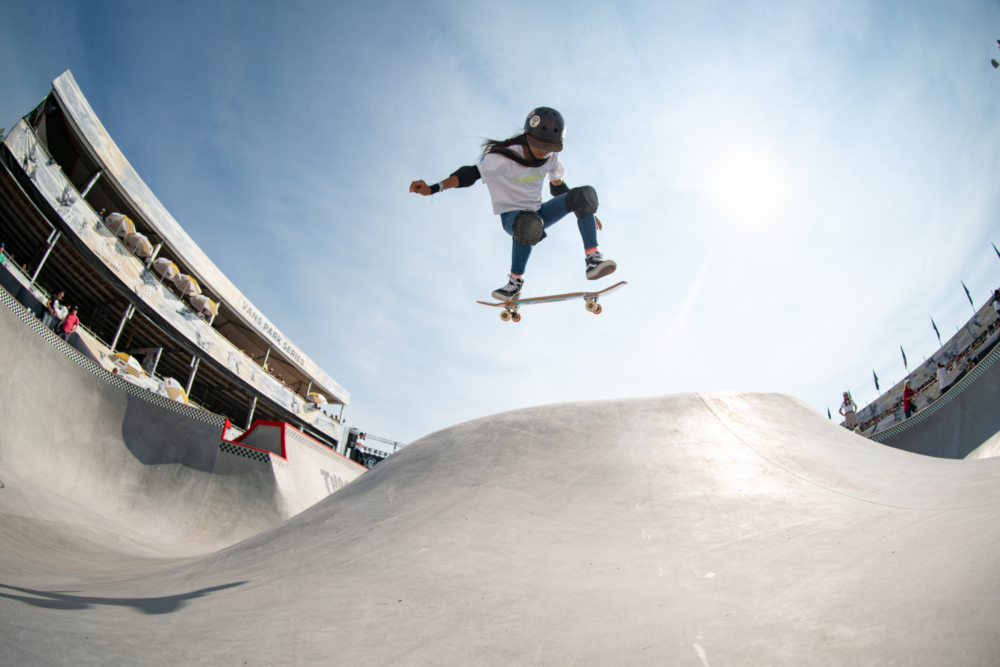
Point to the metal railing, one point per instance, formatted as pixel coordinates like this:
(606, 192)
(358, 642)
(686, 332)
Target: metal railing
(942, 401)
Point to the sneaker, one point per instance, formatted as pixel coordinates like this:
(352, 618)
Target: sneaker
(598, 267)
(511, 291)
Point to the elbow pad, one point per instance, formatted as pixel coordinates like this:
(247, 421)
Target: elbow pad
(557, 190)
(466, 176)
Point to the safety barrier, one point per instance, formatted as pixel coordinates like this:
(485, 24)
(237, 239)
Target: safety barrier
(32, 322)
(946, 398)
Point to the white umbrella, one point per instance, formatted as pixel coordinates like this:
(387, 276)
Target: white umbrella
(119, 224)
(166, 268)
(188, 285)
(317, 398)
(175, 391)
(204, 305)
(139, 245)
(126, 364)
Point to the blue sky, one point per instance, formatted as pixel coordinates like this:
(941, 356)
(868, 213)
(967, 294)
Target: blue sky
(792, 191)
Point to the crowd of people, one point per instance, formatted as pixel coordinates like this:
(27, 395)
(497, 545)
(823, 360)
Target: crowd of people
(963, 362)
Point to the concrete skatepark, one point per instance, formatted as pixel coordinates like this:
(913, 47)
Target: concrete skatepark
(695, 529)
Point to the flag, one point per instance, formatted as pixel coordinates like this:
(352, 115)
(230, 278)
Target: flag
(828, 415)
(876, 381)
(904, 358)
(936, 331)
(968, 295)
(995, 249)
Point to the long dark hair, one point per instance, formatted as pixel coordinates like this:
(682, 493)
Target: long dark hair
(503, 148)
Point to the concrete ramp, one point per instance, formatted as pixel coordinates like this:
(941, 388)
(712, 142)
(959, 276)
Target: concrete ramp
(102, 477)
(697, 529)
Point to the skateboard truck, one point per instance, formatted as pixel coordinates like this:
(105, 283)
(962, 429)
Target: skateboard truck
(510, 313)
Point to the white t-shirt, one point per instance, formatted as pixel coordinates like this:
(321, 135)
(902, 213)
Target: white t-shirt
(942, 375)
(849, 406)
(514, 187)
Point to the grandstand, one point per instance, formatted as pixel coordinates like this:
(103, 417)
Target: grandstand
(967, 356)
(76, 217)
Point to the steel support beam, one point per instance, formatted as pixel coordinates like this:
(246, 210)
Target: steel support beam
(129, 311)
(53, 239)
(90, 183)
(253, 406)
(194, 369)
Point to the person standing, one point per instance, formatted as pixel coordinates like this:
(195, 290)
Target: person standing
(909, 407)
(849, 410)
(69, 325)
(942, 376)
(51, 317)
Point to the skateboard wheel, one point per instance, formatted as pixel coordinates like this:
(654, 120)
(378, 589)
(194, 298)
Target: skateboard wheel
(505, 315)
(516, 317)
(597, 311)
(592, 307)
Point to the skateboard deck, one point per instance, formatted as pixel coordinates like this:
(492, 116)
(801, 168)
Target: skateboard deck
(510, 308)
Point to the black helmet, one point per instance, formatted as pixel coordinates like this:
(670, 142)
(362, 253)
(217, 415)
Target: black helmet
(545, 129)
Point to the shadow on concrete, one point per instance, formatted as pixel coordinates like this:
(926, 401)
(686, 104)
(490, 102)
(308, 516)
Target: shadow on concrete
(160, 605)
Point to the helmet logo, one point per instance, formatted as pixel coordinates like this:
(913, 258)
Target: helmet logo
(535, 120)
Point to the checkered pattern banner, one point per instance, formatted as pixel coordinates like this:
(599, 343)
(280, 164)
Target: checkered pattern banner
(252, 454)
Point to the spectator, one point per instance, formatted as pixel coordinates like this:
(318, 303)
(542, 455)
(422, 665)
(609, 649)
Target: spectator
(909, 407)
(3, 255)
(849, 409)
(69, 325)
(996, 297)
(53, 315)
(942, 376)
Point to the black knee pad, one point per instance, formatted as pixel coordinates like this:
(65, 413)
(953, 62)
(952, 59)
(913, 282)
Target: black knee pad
(529, 228)
(582, 201)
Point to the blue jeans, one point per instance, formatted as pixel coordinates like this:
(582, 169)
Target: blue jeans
(551, 212)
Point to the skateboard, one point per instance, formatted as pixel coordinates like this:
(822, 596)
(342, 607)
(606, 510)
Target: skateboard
(510, 307)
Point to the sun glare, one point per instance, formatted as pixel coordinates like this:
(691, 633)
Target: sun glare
(750, 188)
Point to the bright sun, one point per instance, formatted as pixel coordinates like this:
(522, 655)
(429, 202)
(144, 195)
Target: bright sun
(750, 188)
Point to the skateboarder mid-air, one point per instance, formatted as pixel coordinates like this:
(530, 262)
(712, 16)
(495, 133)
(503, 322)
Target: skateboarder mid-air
(514, 170)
